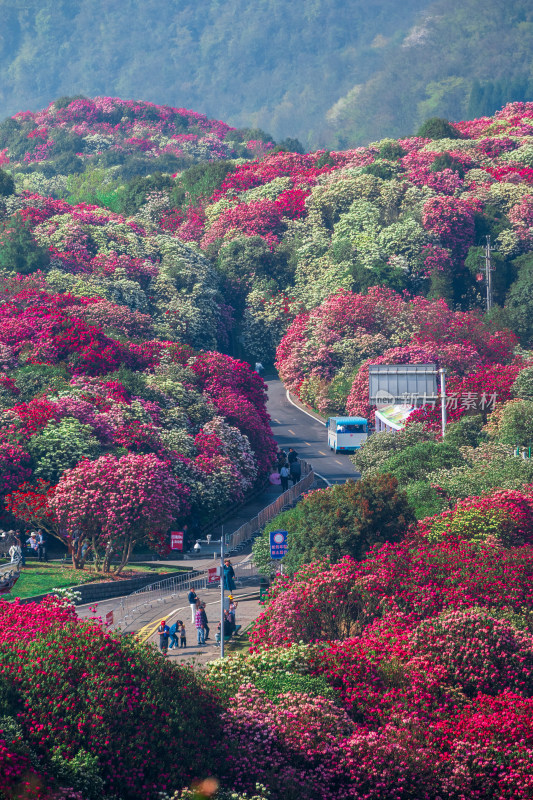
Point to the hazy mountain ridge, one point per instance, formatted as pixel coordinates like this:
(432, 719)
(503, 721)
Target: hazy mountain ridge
(331, 73)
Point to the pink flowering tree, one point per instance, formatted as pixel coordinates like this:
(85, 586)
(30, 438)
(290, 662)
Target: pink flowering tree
(112, 503)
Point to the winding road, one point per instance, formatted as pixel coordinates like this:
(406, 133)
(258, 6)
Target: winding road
(294, 428)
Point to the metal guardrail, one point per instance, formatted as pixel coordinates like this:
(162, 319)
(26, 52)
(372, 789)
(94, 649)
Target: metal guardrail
(247, 531)
(132, 606)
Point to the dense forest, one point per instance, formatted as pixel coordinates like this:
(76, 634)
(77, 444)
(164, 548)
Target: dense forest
(330, 73)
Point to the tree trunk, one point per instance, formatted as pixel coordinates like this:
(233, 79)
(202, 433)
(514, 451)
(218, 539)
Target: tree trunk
(107, 557)
(126, 553)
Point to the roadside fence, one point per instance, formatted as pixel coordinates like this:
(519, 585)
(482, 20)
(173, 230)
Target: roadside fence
(134, 605)
(237, 540)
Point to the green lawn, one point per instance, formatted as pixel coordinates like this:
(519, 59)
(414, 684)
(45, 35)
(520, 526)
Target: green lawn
(40, 578)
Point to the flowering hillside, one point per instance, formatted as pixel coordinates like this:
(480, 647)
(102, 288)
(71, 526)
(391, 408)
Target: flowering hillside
(288, 230)
(89, 128)
(84, 384)
(395, 660)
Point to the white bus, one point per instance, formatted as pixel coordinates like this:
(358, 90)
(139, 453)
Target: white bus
(346, 433)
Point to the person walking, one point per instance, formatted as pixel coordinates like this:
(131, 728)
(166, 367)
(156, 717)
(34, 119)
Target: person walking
(192, 598)
(205, 623)
(284, 474)
(183, 636)
(199, 623)
(164, 633)
(293, 456)
(295, 471)
(41, 546)
(229, 575)
(281, 459)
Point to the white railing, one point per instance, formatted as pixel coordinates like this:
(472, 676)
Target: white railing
(247, 531)
(134, 605)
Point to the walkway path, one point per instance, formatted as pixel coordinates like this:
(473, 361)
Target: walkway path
(291, 427)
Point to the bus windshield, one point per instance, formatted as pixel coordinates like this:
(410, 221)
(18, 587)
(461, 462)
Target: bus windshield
(351, 428)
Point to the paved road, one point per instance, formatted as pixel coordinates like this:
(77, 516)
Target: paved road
(293, 428)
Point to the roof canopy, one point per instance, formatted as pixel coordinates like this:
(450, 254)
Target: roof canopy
(350, 420)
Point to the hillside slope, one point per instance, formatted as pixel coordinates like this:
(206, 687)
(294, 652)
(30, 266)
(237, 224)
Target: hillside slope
(329, 72)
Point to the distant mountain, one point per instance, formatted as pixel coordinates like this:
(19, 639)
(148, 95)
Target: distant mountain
(334, 73)
(462, 59)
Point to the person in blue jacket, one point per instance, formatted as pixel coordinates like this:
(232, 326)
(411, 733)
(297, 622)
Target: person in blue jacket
(174, 634)
(229, 575)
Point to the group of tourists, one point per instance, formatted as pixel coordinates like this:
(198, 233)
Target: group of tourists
(176, 635)
(36, 543)
(289, 466)
(173, 636)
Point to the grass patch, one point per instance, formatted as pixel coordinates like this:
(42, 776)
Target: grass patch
(40, 578)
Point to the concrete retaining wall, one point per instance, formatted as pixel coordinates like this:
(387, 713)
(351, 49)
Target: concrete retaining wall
(96, 592)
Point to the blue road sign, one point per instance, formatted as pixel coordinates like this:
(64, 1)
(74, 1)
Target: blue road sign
(278, 544)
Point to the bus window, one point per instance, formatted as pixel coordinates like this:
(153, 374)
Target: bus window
(351, 429)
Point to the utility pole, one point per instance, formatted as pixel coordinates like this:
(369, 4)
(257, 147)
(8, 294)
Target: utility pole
(489, 269)
(442, 373)
(222, 591)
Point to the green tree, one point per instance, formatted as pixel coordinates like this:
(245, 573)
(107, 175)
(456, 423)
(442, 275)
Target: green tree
(414, 463)
(377, 449)
(60, 446)
(516, 426)
(523, 385)
(33, 380)
(199, 181)
(134, 194)
(424, 499)
(447, 161)
(391, 150)
(519, 301)
(348, 519)
(7, 184)
(19, 252)
(438, 128)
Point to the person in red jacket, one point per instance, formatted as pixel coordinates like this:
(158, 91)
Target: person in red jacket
(164, 633)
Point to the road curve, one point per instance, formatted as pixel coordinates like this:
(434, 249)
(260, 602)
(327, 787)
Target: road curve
(294, 428)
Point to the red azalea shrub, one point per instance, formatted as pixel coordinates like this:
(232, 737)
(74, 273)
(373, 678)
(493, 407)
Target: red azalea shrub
(503, 517)
(419, 577)
(425, 330)
(119, 501)
(239, 395)
(321, 601)
(82, 689)
(481, 654)
(290, 746)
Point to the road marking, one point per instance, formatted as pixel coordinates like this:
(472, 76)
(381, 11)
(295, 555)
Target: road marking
(307, 443)
(321, 453)
(291, 431)
(304, 412)
(276, 420)
(322, 478)
(338, 462)
(153, 630)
